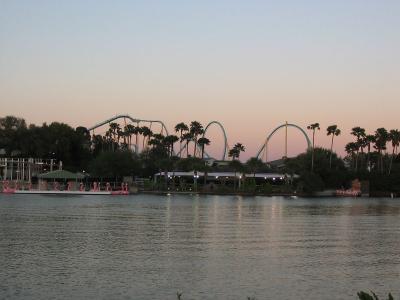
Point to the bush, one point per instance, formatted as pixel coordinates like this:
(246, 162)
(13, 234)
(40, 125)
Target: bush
(365, 296)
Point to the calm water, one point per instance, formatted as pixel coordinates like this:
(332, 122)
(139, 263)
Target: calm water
(209, 247)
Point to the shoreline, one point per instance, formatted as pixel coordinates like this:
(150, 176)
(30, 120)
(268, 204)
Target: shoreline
(216, 193)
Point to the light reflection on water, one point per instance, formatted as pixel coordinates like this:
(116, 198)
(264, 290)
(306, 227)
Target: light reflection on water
(210, 247)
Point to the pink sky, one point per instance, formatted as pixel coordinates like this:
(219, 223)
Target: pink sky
(252, 65)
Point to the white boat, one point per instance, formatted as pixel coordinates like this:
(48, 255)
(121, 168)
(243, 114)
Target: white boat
(62, 192)
(56, 192)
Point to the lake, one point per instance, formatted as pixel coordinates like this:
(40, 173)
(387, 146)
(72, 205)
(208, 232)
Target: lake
(208, 247)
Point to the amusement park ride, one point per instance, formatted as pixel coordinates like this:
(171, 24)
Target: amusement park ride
(262, 152)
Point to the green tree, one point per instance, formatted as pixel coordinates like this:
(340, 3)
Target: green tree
(114, 164)
(333, 178)
(254, 164)
(12, 131)
(190, 164)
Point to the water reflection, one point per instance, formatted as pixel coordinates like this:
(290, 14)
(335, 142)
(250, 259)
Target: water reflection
(211, 247)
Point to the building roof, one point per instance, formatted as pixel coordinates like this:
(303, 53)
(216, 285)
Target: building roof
(225, 174)
(178, 173)
(60, 174)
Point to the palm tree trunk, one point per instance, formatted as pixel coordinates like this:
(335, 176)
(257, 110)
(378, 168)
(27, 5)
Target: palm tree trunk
(312, 153)
(391, 161)
(330, 156)
(356, 166)
(234, 182)
(195, 147)
(180, 146)
(368, 157)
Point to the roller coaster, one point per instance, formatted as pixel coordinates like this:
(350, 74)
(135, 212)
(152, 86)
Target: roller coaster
(262, 152)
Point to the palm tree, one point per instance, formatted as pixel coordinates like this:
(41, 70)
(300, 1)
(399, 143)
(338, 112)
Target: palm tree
(202, 142)
(188, 137)
(235, 163)
(121, 133)
(181, 128)
(157, 139)
(235, 151)
(114, 128)
(394, 136)
(136, 131)
(313, 127)
(159, 145)
(368, 140)
(109, 139)
(129, 131)
(147, 133)
(196, 129)
(113, 132)
(170, 140)
(381, 138)
(97, 144)
(334, 131)
(359, 133)
(351, 148)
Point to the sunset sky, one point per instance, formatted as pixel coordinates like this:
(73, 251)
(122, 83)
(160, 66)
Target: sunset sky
(251, 65)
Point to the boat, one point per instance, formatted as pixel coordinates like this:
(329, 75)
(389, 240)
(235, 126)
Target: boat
(348, 193)
(54, 192)
(94, 191)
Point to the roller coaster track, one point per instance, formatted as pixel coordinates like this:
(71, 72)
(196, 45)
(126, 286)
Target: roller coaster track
(265, 145)
(226, 146)
(130, 118)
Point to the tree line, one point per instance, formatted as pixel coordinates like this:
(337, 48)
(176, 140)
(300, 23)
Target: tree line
(360, 154)
(138, 151)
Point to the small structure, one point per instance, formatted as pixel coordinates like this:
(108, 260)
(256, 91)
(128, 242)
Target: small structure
(57, 176)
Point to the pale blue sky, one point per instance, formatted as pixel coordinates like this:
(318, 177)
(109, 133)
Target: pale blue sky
(250, 64)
